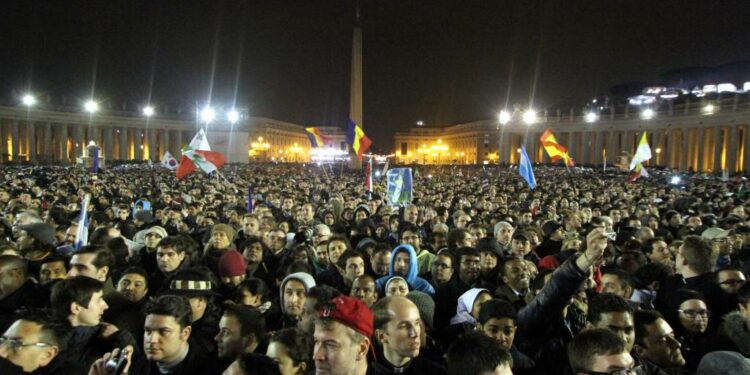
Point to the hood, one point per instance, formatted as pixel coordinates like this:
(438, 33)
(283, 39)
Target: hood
(412, 274)
(466, 306)
(306, 279)
(735, 329)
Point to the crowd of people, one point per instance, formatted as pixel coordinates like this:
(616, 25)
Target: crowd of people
(296, 269)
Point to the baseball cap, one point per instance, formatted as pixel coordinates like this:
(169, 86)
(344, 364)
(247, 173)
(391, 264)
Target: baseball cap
(350, 312)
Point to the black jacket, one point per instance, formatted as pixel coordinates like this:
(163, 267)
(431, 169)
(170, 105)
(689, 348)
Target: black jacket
(196, 362)
(28, 295)
(417, 366)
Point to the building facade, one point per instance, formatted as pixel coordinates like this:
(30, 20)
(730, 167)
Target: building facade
(698, 136)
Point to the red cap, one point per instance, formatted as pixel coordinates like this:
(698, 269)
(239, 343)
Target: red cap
(350, 312)
(232, 263)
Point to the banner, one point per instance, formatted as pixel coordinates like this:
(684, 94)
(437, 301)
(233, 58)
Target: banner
(399, 186)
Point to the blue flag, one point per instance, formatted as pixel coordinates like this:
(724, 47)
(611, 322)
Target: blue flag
(250, 199)
(525, 169)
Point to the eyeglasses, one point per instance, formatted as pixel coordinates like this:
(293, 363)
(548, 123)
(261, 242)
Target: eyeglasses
(616, 372)
(732, 282)
(17, 344)
(692, 314)
(441, 265)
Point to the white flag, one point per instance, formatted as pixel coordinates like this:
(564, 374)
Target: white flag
(642, 154)
(168, 161)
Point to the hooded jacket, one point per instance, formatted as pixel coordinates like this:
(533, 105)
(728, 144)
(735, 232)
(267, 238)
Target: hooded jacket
(466, 306)
(306, 280)
(415, 282)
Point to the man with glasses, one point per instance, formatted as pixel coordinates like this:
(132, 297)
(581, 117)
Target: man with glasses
(410, 234)
(34, 342)
(442, 269)
(600, 352)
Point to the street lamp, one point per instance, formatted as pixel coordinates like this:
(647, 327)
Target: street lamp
(91, 106)
(648, 114)
(504, 117)
(208, 114)
(590, 117)
(148, 111)
(420, 123)
(529, 117)
(28, 100)
(709, 109)
(233, 116)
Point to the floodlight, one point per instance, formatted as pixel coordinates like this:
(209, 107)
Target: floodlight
(148, 111)
(233, 116)
(91, 106)
(28, 100)
(504, 117)
(590, 117)
(648, 114)
(208, 114)
(529, 117)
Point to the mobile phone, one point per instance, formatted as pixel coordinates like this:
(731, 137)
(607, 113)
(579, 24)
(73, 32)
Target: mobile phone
(611, 235)
(117, 363)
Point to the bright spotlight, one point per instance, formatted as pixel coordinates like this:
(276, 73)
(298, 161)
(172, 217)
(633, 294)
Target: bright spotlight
(709, 109)
(675, 180)
(28, 100)
(148, 111)
(590, 117)
(529, 117)
(233, 116)
(91, 106)
(208, 114)
(504, 117)
(648, 114)
(377, 173)
(420, 123)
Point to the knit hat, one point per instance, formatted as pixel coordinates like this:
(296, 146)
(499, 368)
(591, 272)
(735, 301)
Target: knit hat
(550, 227)
(425, 304)
(350, 312)
(231, 263)
(489, 245)
(224, 228)
(42, 232)
(395, 278)
(364, 208)
(305, 278)
(725, 363)
(156, 229)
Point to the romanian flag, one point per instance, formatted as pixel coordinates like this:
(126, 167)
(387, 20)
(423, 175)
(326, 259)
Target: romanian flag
(317, 139)
(555, 150)
(357, 139)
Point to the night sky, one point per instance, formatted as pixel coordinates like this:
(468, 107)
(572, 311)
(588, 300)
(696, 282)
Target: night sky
(442, 62)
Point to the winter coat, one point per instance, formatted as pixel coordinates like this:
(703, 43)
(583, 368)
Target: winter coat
(415, 282)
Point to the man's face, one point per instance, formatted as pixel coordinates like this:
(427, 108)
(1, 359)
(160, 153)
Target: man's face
(401, 263)
(168, 259)
(520, 247)
(250, 226)
(163, 339)
(660, 346)
(611, 284)
(52, 271)
(253, 253)
(287, 204)
(401, 335)
(334, 351)
(516, 275)
(411, 238)
(612, 362)
(661, 254)
(132, 286)
(381, 262)
(276, 240)
(229, 340)
(91, 315)
(469, 267)
(526, 218)
(355, 267)
(730, 281)
(411, 214)
(82, 265)
(29, 357)
(70, 235)
(335, 249)
(294, 297)
(615, 215)
(503, 330)
(620, 323)
(442, 269)
(504, 234)
(462, 221)
(363, 288)
(152, 240)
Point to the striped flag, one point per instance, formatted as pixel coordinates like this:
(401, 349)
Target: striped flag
(317, 139)
(82, 234)
(525, 169)
(555, 150)
(357, 139)
(250, 199)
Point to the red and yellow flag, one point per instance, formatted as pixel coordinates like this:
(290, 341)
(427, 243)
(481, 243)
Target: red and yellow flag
(555, 150)
(317, 139)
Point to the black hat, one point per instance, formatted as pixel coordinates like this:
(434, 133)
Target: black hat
(42, 232)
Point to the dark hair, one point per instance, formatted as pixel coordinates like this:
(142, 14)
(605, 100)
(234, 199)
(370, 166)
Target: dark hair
(340, 238)
(743, 294)
(698, 253)
(590, 343)
(258, 364)
(250, 319)
(605, 303)
(651, 272)
(648, 246)
(455, 236)
(54, 330)
(496, 309)
(177, 307)
(474, 353)
(463, 252)
(78, 289)
(255, 286)
(381, 247)
(135, 270)
(641, 319)
(298, 344)
(176, 243)
(624, 277)
(103, 256)
(347, 255)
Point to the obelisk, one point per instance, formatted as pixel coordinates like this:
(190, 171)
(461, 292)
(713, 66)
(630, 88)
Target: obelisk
(355, 88)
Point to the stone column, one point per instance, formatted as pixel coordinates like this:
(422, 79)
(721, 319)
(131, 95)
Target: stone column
(16, 141)
(732, 149)
(108, 143)
(137, 143)
(123, 139)
(48, 149)
(684, 150)
(585, 157)
(572, 146)
(153, 147)
(77, 141)
(63, 143)
(504, 147)
(533, 144)
(746, 149)
(165, 141)
(671, 158)
(718, 148)
(31, 133)
(700, 137)
(597, 156)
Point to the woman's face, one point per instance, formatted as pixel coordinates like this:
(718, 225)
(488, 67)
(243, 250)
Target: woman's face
(693, 315)
(397, 288)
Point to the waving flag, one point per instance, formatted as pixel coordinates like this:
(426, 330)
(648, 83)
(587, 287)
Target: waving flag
(168, 161)
(643, 153)
(357, 139)
(525, 169)
(82, 234)
(317, 139)
(639, 171)
(555, 150)
(198, 155)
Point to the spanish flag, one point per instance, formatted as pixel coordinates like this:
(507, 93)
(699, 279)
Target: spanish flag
(317, 139)
(555, 150)
(357, 139)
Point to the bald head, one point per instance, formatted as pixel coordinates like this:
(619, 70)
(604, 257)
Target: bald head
(12, 274)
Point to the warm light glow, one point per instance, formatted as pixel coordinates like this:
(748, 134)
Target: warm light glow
(529, 117)
(91, 106)
(28, 100)
(648, 114)
(233, 116)
(148, 111)
(709, 109)
(504, 117)
(208, 114)
(658, 150)
(420, 123)
(590, 117)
